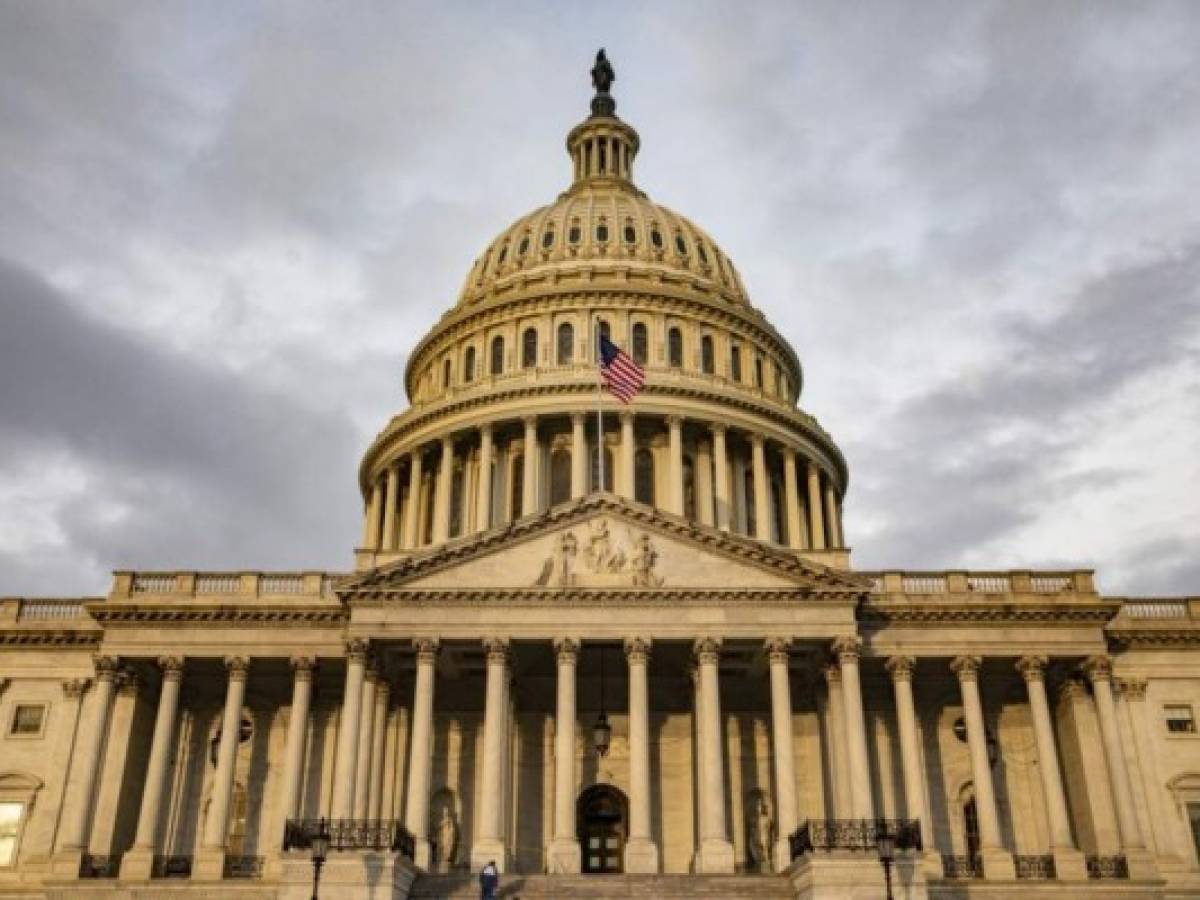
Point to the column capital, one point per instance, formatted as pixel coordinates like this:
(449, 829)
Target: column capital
(637, 650)
(171, 667)
(1098, 668)
(370, 673)
(485, 427)
(578, 418)
(788, 451)
(566, 650)
(707, 650)
(757, 439)
(832, 673)
(626, 416)
(777, 650)
(1072, 689)
(674, 421)
(238, 667)
(106, 667)
(966, 667)
(497, 650)
(847, 648)
(1032, 667)
(427, 650)
(529, 422)
(357, 650)
(1131, 688)
(900, 667)
(73, 688)
(717, 428)
(303, 667)
(447, 441)
(383, 689)
(129, 683)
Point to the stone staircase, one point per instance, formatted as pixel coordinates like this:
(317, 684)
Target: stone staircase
(627, 887)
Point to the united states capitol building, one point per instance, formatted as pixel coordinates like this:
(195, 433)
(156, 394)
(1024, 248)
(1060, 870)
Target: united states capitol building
(635, 661)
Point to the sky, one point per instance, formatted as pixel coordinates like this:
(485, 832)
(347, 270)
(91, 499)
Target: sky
(223, 226)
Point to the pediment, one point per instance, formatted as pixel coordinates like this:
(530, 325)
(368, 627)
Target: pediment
(606, 543)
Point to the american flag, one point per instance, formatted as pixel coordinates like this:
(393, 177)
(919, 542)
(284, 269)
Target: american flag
(623, 376)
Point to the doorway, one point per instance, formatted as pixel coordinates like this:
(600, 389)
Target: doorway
(602, 812)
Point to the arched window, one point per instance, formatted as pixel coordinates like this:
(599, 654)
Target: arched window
(529, 348)
(457, 496)
(776, 511)
(608, 470)
(427, 524)
(605, 332)
(758, 372)
(560, 475)
(675, 348)
(446, 374)
(643, 477)
(497, 355)
(689, 488)
(516, 494)
(641, 343)
(566, 344)
(735, 362)
(970, 814)
(469, 365)
(707, 356)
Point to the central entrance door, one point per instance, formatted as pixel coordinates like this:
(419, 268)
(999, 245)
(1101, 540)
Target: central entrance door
(602, 812)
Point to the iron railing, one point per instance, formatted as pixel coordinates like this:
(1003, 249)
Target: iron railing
(961, 866)
(1037, 866)
(350, 834)
(853, 834)
(94, 865)
(243, 867)
(171, 867)
(1107, 866)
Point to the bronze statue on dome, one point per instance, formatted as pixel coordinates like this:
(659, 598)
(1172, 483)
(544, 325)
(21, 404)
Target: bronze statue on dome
(602, 78)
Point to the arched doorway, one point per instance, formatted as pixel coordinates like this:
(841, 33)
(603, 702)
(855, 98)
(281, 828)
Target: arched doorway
(601, 814)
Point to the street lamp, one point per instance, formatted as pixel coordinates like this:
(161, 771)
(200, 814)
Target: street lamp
(885, 843)
(602, 731)
(320, 849)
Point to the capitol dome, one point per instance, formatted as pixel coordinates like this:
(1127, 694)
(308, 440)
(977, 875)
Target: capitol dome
(503, 391)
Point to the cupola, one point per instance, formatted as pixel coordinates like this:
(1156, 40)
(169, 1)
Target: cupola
(602, 147)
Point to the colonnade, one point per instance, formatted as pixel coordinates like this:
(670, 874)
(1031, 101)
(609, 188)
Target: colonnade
(471, 480)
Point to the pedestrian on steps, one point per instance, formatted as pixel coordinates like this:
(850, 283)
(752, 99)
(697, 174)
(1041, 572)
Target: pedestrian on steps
(489, 881)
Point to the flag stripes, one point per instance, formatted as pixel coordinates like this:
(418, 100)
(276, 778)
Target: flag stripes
(621, 374)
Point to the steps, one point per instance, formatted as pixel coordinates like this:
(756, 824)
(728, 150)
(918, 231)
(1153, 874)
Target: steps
(625, 887)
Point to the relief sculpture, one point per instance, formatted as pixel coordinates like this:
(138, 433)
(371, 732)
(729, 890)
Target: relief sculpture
(605, 560)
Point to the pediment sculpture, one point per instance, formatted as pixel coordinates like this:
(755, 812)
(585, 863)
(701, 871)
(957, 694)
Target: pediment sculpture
(601, 559)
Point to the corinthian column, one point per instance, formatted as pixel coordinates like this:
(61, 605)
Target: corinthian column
(816, 523)
(716, 852)
(579, 456)
(411, 521)
(378, 748)
(675, 465)
(791, 488)
(297, 734)
(762, 497)
(211, 859)
(490, 845)
(564, 848)
(624, 484)
(533, 469)
(721, 477)
(641, 853)
(342, 806)
(389, 508)
(416, 813)
(442, 493)
(861, 804)
(784, 751)
(366, 728)
(901, 669)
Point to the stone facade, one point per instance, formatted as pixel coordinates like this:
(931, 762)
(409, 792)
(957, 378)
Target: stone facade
(769, 708)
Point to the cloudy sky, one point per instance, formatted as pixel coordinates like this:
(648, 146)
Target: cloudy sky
(223, 225)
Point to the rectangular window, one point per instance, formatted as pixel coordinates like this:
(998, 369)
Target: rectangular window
(11, 814)
(1193, 810)
(27, 720)
(1180, 719)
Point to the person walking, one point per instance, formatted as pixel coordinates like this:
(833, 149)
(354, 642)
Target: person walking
(489, 881)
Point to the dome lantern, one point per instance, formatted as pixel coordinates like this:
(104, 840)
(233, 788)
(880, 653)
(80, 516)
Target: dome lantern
(602, 147)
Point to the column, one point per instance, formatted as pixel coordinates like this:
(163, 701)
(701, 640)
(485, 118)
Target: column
(704, 484)
(564, 848)
(721, 476)
(816, 522)
(483, 497)
(1069, 863)
(624, 482)
(73, 839)
(675, 465)
(1141, 863)
(861, 805)
(762, 497)
(389, 509)
(441, 500)
(362, 759)
(1156, 825)
(210, 861)
(139, 861)
(835, 708)
(533, 455)
(786, 812)
(378, 748)
(641, 853)
(791, 490)
(303, 668)
(411, 522)
(716, 852)
(901, 669)
(699, 744)
(371, 518)
(490, 844)
(996, 861)
(416, 812)
(579, 456)
(831, 515)
(342, 805)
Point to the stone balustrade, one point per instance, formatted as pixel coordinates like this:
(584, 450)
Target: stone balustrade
(136, 585)
(959, 583)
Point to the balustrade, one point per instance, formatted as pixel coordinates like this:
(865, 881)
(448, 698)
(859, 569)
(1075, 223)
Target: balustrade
(350, 834)
(42, 610)
(1105, 867)
(853, 834)
(1035, 866)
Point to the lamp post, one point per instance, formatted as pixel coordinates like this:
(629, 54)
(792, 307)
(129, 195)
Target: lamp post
(885, 843)
(602, 731)
(320, 849)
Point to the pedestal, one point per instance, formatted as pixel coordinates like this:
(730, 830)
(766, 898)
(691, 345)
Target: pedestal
(136, 865)
(564, 858)
(641, 857)
(715, 858)
(1070, 864)
(66, 863)
(489, 850)
(1142, 865)
(208, 865)
(997, 864)
(846, 875)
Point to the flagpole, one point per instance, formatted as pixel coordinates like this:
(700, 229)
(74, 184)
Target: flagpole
(599, 402)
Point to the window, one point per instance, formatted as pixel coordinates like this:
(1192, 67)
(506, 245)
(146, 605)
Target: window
(446, 374)
(971, 827)
(751, 504)
(469, 365)
(707, 361)
(602, 232)
(675, 348)
(1180, 719)
(689, 488)
(641, 344)
(605, 332)
(497, 355)
(523, 247)
(630, 234)
(608, 470)
(516, 497)
(656, 238)
(758, 372)
(776, 511)
(560, 475)
(680, 246)
(1193, 813)
(457, 492)
(643, 477)
(574, 234)
(566, 344)
(12, 815)
(735, 362)
(548, 239)
(529, 348)
(701, 252)
(27, 720)
(503, 255)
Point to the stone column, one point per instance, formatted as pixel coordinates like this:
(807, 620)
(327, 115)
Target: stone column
(73, 839)
(342, 806)
(138, 862)
(716, 852)
(699, 744)
(786, 812)
(624, 483)
(762, 496)
(1069, 863)
(416, 812)
(533, 452)
(832, 517)
(483, 498)
(816, 522)
(490, 844)
(442, 493)
(791, 489)
(579, 456)
(704, 484)
(996, 861)
(901, 669)
(1157, 831)
(641, 853)
(378, 748)
(721, 477)
(675, 465)
(371, 536)
(362, 760)
(389, 508)
(297, 736)
(210, 861)
(835, 709)
(412, 523)
(564, 847)
(1141, 862)
(861, 805)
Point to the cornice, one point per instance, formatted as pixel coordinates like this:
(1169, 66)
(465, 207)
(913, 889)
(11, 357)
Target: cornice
(1158, 638)
(592, 596)
(50, 637)
(174, 614)
(973, 612)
